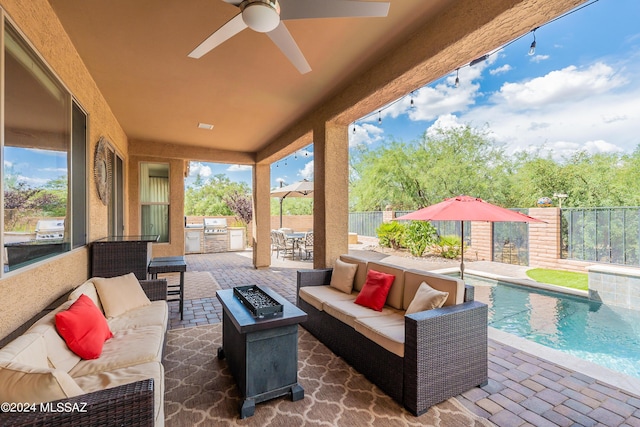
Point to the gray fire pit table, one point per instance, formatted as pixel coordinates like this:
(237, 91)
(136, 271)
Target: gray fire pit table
(262, 353)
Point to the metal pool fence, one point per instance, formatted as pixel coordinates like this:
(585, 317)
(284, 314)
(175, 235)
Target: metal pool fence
(604, 235)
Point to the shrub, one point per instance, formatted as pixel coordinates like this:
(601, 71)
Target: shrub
(448, 246)
(391, 234)
(418, 236)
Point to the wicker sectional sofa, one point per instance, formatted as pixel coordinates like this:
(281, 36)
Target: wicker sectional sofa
(123, 386)
(418, 359)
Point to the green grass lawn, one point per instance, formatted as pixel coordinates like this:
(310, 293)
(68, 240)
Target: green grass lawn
(568, 279)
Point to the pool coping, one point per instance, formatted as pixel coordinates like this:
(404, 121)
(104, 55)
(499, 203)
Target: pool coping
(524, 282)
(568, 361)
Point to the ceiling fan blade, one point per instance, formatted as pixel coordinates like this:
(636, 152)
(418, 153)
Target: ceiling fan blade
(233, 2)
(304, 9)
(224, 33)
(285, 42)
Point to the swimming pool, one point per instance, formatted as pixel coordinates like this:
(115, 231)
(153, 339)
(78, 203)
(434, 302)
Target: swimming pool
(602, 334)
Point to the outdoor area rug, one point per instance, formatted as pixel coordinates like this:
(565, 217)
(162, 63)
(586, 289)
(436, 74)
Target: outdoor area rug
(197, 284)
(200, 390)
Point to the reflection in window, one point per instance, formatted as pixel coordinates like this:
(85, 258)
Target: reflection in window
(36, 157)
(154, 199)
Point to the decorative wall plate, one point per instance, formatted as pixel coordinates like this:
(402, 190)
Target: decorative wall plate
(102, 170)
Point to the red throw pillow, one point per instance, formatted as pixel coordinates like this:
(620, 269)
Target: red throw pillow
(84, 328)
(375, 290)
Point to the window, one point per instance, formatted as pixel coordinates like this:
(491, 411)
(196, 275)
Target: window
(38, 158)
(154, 199)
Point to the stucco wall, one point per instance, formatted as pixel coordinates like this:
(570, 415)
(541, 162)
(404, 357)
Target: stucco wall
(26, 292)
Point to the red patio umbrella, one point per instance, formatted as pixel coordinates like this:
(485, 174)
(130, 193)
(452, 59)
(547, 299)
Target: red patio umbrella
(467, 208)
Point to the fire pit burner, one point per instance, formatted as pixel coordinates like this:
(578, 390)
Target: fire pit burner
(257, 301)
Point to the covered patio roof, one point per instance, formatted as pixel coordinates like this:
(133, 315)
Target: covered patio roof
(257, 101)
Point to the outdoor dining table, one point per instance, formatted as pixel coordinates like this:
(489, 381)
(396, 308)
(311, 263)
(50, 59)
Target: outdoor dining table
(296, 238)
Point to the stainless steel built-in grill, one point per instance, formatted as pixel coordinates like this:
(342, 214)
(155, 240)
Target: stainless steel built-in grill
(50, 229)
(216, 238)
(215, 226)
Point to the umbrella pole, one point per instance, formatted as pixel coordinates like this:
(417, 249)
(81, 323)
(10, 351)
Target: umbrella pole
(462, 250)
(281, 211)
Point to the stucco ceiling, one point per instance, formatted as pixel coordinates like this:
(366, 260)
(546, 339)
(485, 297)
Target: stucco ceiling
(137, 53)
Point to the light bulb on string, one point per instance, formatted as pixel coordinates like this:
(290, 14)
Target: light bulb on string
(379, 117)
(354, 128)
(532, 48)
(457, 83)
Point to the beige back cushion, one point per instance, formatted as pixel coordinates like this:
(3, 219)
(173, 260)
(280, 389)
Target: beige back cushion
(120, 294)
(396, 293)
(89, 290)
(342, 276)
(57, 351)
(28, 349)
(414, 278)
(361, 273)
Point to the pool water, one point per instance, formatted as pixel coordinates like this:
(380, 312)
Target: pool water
(599, 333)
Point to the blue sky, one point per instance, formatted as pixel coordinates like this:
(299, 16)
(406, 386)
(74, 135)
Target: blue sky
(579, 91)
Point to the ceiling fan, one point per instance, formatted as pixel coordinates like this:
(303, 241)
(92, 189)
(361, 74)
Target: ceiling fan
(266, 16)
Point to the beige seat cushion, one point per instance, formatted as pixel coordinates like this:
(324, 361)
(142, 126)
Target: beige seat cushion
(343, 275)
(316, 296)
(154, 314)
(25, 374)
(120, 294)
(126, 348)
(24, 383)
(427, 298)
(121, 376)
(386, 331)
(348, 311)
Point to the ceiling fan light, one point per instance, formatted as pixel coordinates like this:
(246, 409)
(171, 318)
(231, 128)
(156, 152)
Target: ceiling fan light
(261, 15)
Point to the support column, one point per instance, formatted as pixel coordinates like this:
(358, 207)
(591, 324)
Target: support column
(331, 193)
(261, 216)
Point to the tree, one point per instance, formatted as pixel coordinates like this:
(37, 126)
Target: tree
(241, 205)
(444, 163)
(208, 198)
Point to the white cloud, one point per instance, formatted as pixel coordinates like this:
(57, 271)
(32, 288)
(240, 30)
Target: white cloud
(305, 153)
(593, 108)
(501, 70)
(601, 146)
(365, 133)
(239, 168)
(539, 58)
(196, 168)
(569, 84)
(307, 171)
(444, 122)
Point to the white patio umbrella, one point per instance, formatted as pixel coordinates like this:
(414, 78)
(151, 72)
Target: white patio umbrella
(302, 188)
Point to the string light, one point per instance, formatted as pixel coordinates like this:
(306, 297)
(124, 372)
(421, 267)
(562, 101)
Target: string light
(354, 128)
(532, 49)
(478, 60)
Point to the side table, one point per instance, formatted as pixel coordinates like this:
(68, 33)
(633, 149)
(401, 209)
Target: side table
(172, 264)
(262, 353)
